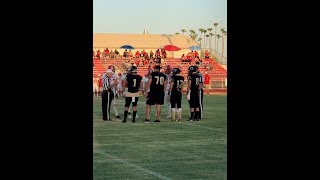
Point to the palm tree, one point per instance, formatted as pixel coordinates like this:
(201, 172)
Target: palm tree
(199, 40)
(204, 38)
(210, 29)
(223, 32)
(201, 31)
(207, 36)
(193, 34)
(218, 36)
(215, 37)
(210, 49)
(183, 31)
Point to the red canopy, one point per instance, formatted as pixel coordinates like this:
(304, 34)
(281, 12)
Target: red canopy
(171, 48)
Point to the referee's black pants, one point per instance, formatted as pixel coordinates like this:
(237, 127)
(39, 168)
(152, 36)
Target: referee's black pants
(107, 97)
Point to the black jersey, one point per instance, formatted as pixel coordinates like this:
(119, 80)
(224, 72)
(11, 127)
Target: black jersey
(195, 81)
(158, 79)
(134, 81)
(201, 78)
(177, 83)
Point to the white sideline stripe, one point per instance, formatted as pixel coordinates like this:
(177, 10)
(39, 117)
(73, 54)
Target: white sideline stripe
(202, 127)
(136, 166)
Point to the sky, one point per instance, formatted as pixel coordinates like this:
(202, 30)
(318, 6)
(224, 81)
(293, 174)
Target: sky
(157, 16)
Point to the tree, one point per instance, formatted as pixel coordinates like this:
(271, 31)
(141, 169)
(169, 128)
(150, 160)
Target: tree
(199, 40)
(193, 34)
(215, 37)
(210, 39)
(207, 36)
(176, 33)
(210, 49)
(183, 31)
(201, 31)
(218, 36)
(223, 32)
(204, 38)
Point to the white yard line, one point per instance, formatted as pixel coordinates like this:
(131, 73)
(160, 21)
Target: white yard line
(202, 126)
(135, 166)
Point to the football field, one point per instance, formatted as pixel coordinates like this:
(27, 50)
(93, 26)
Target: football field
(165, 150)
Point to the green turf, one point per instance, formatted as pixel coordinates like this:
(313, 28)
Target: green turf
(165, 150)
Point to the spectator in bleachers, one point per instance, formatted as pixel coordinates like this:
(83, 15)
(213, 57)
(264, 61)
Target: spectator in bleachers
(196, 60)
(106, 53)
(117, 54)
(111, 54)
(146, 56)
(206, 54)
(183, 58)
(98, 54)
(192, 55)
(196, 55)
(137, 62)
(189, 58)
(151, 54)
(125, 54)
(163, 53)
(130, 54)
(157, 53)
(137, 55)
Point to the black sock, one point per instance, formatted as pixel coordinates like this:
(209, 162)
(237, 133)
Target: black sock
(197, 114)
(192, 113)
(125, 115)
(134, 113)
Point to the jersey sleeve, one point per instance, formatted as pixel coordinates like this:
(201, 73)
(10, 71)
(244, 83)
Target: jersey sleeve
(189, 77)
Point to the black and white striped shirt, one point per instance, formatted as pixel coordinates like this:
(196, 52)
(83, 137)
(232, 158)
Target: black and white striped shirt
(105, 83)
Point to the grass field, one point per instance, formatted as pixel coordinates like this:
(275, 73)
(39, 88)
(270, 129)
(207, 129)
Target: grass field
(165, 150)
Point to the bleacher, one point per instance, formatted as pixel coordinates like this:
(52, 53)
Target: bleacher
(217, 74)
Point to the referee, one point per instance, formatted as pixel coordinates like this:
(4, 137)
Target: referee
(107, 94)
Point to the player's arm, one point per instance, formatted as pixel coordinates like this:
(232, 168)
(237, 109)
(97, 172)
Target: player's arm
(125, 84)
(148, 84)
(112, 85)
(171, 86)
(141, 85)
(165, 83)
(189, 84)
(182, 85)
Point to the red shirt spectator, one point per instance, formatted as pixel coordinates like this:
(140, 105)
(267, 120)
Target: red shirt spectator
(206, 54)
(206, 78)
(98, 53)
(196, 54)
(137, 54)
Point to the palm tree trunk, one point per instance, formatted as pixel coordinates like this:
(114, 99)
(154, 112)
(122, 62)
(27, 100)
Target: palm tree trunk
(209, 43)
(215, 38)
(204, 41)
(222, 47)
